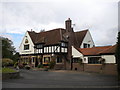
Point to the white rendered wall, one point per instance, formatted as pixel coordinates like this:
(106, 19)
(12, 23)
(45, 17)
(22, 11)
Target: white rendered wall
(87, 39)
(76, 53)
(109, 58)
(31, 45)
(85, 60)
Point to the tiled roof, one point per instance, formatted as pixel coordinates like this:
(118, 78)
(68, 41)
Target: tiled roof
(95, 50)
(110, 50)
(80, 36)
(47, 37)
(55, 36)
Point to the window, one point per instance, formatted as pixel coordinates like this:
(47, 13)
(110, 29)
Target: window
(85, 45)
(88, 45)
(94, 60)
(58, 49)
(76, 60)
(49, 49)
(33, 59)
(66, 50)
(41, 51)
(26, 41)
(63, 44)
(52, 49)
(46, 59)
(26, 47)
(59, 60)
(55, 48)
(40, 46)
(45, 49)
(62, 49)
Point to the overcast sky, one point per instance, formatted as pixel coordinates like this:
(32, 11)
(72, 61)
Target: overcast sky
(99, 16)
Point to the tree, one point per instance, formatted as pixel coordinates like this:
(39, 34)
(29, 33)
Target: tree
(117, 54)
(8, 50)
(6, 62)
(16, 57)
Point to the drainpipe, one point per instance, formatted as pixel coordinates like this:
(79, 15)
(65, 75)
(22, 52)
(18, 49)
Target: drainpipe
(71, 62)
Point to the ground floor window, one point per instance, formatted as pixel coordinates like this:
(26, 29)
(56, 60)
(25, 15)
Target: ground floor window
(33, 59)
(75, 60)
(46, 59)
(59, 60)
(94, 60)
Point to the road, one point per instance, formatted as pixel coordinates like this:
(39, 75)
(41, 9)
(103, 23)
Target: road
(66, 79)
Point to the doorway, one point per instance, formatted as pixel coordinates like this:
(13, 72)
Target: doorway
(36, 62)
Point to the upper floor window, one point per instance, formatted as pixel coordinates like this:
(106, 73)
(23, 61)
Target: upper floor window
(85, 45)
(26, 47)
(39, 46)
(63, 44)
(26, 41)
(88, 45)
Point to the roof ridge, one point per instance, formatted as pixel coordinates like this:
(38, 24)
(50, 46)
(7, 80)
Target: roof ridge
(55, 29)
(82, 30)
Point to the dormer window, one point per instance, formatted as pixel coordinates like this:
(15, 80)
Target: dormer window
(26, 47)
(63, 44)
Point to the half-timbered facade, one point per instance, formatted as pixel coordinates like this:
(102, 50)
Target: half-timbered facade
(43, 47)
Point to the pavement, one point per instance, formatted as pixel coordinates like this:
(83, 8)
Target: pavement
(61, 79)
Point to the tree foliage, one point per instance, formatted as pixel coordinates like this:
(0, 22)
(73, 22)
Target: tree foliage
(6, 62)
(118, 55)
(8, 50)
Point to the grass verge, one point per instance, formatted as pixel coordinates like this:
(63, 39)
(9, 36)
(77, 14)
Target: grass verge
(7, 70)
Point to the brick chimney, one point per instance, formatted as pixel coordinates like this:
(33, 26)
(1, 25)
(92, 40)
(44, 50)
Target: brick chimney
(68, 24)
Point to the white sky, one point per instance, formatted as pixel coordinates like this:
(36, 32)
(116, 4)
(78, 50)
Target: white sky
(99, 16)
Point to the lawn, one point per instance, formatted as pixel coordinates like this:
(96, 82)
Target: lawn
(8, 70)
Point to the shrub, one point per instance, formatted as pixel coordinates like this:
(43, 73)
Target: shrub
(15, 65)
(6, 62)
(27, 67)
(40, 66)
(24, 64)
(51, 64)
(21, 66)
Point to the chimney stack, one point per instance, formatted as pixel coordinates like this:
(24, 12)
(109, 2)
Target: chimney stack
(68, 24)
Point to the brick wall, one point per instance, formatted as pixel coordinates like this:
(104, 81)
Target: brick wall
(110, 69)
